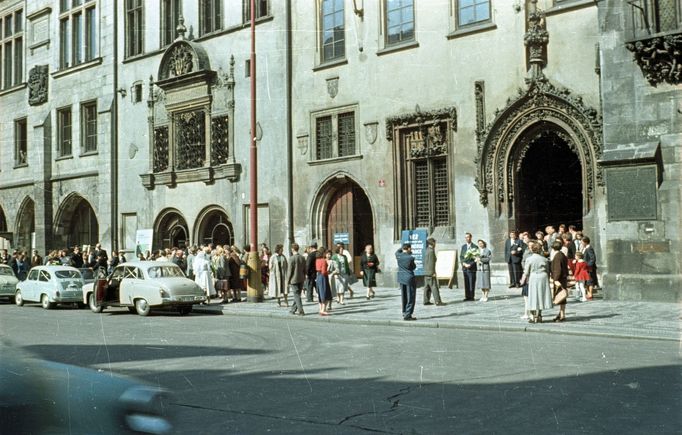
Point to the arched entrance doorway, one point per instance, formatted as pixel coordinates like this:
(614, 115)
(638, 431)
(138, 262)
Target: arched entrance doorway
(170, 230)
(214, 227)
(548, 184)
(5, 236)
(25, 225)
(342, 210)
(76, 222)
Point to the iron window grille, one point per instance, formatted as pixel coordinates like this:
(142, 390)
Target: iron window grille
(190, 140)
(655, 16)
(160, 154)
(335, 135)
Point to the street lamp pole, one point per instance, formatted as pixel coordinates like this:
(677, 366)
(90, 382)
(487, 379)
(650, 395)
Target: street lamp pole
(254, 292)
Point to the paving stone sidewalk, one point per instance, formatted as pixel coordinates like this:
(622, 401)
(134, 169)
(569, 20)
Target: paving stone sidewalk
(502, 312)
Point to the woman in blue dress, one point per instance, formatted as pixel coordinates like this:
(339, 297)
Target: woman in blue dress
(324, 292)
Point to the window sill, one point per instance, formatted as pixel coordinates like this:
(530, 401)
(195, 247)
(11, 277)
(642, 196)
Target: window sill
(335, 160)
(472, 29)
(81, 66)
(14, 88)
(89, 153)
(67, 157)
(567, 6)
(233, 29)
(20, 165)
(141, 56)
(206, 174)
(398, 47)
(331, 64)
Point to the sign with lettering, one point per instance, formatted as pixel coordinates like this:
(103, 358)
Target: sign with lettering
(416, 238)
(342, 238)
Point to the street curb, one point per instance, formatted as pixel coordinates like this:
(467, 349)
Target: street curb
(437, 325)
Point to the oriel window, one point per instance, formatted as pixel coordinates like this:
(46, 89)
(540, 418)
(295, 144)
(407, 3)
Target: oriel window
(11, 48)
(333, 30)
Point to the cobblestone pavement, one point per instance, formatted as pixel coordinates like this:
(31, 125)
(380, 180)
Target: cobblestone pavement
(648, 320)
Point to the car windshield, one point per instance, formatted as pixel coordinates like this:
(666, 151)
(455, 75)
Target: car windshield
(165, 272)
(6, 271)
(67, 274)
(87, 273)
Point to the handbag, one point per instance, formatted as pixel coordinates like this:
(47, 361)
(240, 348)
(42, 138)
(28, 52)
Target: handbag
(560, 296)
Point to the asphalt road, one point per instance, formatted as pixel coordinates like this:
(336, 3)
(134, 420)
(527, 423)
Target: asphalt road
(261, 375)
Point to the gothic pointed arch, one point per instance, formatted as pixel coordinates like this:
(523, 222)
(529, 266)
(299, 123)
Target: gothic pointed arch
(3, 221)
(213, 226)
(76, 222)
(171, 230)
(541, 108)
(25, 223)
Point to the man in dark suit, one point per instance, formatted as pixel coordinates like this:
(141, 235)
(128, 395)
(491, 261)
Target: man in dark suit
(296, 275)
(311, 272)
(591, 259)
(430, 279)
(408, 287)
(468, 268)
(513, 253)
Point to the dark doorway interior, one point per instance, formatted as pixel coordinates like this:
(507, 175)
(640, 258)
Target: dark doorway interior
(549, 186)
(217, 229)
(83, 229)
(171, 232)
(349, 211)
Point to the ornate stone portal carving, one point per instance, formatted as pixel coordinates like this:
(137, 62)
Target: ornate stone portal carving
(659, 58)
(447, 114)
(37, 85)
(180, 61)
(479, 94)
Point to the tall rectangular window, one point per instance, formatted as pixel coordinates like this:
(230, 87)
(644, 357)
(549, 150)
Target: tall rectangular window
(64, 132)
(89, 127)
(77, 32)
(655, 16)
(134, 27)
(20, 143)
(170, 18)
(210, 16)
(335, 134)
(472, 11)
(262, 9)
(333, 30)
(399, 21)
(12, 48)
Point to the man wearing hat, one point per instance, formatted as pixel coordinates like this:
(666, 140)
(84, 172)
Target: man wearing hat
(408, 288)
(311, 272)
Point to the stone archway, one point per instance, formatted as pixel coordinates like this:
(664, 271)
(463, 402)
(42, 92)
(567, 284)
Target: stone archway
(213, 226)
(171, 230)
(342, 206)
(76, 222)
(25, 226)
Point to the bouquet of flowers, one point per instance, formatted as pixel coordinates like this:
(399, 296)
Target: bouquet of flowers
(472, 254)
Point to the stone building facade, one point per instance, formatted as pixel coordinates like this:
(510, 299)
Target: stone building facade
(56, 127)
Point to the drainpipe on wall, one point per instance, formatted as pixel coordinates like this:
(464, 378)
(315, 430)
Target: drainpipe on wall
(290, 182)
(114, 138)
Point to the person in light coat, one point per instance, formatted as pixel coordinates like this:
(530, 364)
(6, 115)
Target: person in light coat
(203, 274)
(278, 276)
(536, 272)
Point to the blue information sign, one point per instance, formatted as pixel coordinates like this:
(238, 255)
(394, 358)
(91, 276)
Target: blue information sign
(416, 238)
(342, 238)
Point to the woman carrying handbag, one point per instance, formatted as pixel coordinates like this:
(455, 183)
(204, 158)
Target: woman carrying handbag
(559, 278)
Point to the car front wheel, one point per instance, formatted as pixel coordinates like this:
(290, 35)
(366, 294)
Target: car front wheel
(45, 302)
(18, 299)
(93, 304)
(184, 310)
(142, 307)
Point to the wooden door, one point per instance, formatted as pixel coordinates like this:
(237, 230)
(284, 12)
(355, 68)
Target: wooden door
(340, 216)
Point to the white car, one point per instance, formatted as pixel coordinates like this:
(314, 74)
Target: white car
(143, 285)
(8, 282)
(51, 285)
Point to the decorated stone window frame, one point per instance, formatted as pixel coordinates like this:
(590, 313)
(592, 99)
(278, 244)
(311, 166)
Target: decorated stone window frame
(336, 155)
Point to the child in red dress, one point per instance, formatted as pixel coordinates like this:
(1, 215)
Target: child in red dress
(581, 273)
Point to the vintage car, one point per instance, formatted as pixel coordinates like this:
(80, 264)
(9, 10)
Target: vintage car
(8, 282)
(51, 285)
(143, 285)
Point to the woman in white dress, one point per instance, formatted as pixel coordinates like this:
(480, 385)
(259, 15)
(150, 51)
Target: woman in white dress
(202, 272)
(278, 276)
(536, 272)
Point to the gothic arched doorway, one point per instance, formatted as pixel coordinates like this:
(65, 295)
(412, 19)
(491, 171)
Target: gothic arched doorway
(548, 184)
(170, 230)
(347, 214)
(214, 227)
(78, 221)
(25, 225)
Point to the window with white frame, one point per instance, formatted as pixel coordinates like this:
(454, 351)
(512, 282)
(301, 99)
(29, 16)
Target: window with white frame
(332, 30)
(470, 12)
(64, 132)
(210, 16)
(262, 9)
(171, 10)
(398, 21)
(335, 134)
(134, 27)
(20, 143)
(89, 127)
(11, 48)
(77, 32)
